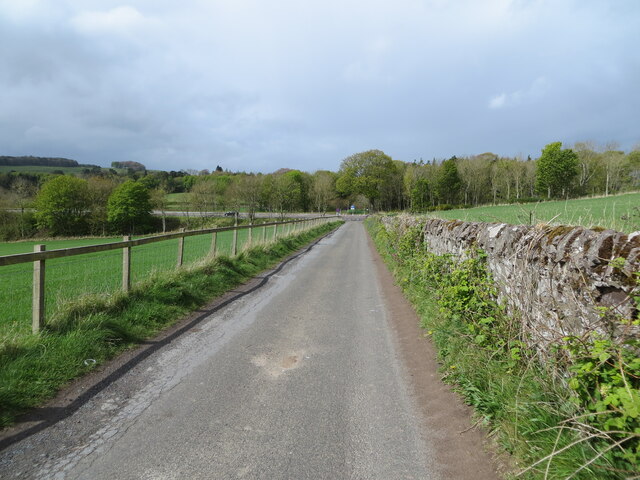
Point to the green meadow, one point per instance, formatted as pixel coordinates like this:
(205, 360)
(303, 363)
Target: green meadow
(177, 201)
(68, 278)
(616, 212)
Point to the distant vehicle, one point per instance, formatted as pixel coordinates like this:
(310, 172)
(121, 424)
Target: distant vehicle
(230, 214)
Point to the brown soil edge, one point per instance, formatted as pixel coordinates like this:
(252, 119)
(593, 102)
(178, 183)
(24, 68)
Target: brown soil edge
(79, 391)
(462, 448)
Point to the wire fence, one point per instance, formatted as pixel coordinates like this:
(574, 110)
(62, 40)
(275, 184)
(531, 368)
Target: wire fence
(36, 285)
(71, 277)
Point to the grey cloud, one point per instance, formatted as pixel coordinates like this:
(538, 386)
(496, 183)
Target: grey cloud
(255, 86)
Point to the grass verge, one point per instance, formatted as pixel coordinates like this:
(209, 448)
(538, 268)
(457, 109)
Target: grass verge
(579, 424)
(33, 368)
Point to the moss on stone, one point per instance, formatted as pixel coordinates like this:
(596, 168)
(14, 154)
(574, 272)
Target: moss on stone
(558, 231)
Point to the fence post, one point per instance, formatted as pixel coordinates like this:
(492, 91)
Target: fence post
(126, 265)
(250, 240)
(180, 248)
(264, 235)
(275, 232)
(38, 291)
(214, 244)
(234, 245)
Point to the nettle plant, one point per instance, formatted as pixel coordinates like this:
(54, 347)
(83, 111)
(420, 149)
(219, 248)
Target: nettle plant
(605, 376)
(466, 293)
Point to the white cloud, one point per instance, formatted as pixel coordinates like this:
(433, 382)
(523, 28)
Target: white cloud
(18, 10)
(373, 63)
(498, 101)
(536, 90)
(117, 20)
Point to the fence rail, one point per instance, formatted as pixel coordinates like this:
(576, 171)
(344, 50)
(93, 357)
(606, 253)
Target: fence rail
(40, 255)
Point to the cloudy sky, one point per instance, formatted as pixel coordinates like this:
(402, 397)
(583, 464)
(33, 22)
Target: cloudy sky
(257, 85)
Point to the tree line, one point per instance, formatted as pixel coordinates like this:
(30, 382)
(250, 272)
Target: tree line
(38, 161)
(106, 201)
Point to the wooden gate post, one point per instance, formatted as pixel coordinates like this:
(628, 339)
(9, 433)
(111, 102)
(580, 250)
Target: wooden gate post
(180, 248)
(126, 265)
(38, 291)
(214, 242)
(234, 245)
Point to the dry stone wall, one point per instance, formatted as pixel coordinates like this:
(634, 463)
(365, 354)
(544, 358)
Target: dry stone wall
(555, 277)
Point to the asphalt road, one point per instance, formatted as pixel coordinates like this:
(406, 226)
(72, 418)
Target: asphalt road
(299, 379)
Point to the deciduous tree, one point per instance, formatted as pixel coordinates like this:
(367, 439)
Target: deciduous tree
(556, 170)
(62, 206)
(129, 207)
(367, 173)
(322, 189)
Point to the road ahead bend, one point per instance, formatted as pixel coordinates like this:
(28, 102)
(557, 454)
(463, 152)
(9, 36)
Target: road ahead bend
(297, 380)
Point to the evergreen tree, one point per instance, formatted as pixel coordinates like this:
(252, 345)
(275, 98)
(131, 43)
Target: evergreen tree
(448, 184)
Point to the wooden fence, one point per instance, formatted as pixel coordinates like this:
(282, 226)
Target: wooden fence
(40, 255)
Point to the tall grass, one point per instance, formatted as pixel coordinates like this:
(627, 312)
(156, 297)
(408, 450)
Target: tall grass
(97, 327)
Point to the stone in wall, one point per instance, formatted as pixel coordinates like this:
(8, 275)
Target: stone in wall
(555, 277)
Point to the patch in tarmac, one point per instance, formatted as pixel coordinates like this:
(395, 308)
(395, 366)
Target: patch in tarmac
(275, 365)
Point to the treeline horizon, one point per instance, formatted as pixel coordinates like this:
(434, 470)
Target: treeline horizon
(28, 161)
(369, 180)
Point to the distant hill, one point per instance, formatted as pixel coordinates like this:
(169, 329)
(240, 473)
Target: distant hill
(23, 164)
(38, 161)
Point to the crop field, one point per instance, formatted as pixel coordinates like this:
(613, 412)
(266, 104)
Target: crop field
(616, 212)
(96, 273)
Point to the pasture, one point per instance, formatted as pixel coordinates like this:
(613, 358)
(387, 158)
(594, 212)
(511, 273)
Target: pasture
(97, 273)
(616, 212)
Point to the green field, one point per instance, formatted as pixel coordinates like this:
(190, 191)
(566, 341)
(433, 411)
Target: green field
(617, 212)
(71, 277)
(180, 202)
(177, 201)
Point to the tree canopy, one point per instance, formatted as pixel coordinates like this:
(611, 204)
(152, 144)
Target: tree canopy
(129, 207)
(556, 170)
(62, 205)
(366, 173)
(448, 182)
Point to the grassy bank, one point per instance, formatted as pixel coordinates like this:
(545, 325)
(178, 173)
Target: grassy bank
(616, 212)
(575, 418)
(34, 367)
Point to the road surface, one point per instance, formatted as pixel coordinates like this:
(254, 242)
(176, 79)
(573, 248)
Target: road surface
(300, 378)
